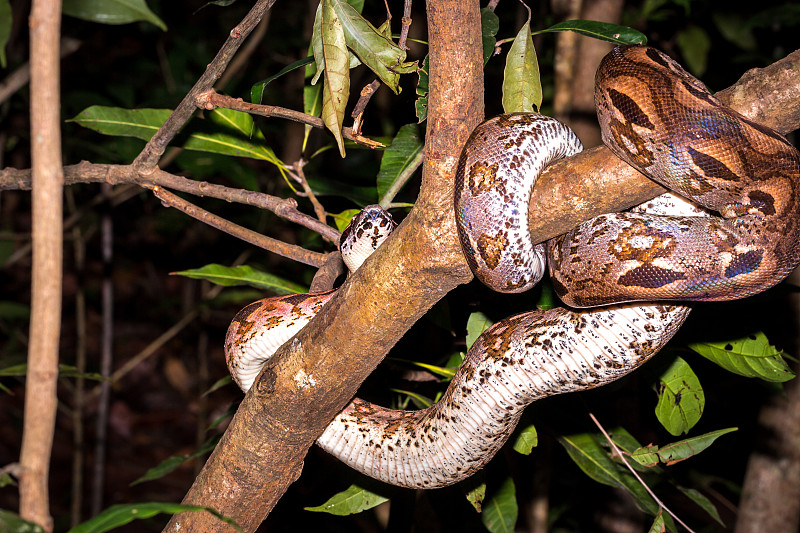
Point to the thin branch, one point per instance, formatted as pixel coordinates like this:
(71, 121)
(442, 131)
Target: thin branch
(326, 275)
(318, 209)
(45, 324)
(86, 172)
(636, 474)
(210, 99)
(146, 161)
(401, 179)
(244, 54)
(405, 25)
(358, 111)
(290, 251)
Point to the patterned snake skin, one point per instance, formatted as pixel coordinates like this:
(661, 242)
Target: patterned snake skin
(660, 119)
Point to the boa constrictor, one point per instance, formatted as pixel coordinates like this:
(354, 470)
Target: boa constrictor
(657, 117)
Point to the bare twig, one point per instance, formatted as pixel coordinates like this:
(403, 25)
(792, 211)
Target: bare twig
(358, 111)
(405, 25)
(146, 161)
(635, 474)
(86, 172)
(290, 251)
(210, 99)
(45, 325)
(327, 273)
(244, 54)
(318, 209)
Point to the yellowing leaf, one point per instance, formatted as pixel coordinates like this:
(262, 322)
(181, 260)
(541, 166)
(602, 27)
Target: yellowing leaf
(522, 88)
(337, 73)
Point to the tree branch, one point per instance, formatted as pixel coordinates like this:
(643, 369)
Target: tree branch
(596, 182)
(211, 99)
(146, 161)
(262, 451)
(86, 172)
(290, 251)
(45, 328)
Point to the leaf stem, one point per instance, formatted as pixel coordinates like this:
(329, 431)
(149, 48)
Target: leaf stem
(635, 474)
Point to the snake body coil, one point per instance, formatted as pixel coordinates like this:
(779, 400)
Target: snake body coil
(658, 118)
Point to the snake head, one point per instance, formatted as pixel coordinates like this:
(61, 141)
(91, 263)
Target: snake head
(366, 231)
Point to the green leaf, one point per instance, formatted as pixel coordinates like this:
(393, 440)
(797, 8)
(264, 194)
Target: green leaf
(675, 452)
(336, 90)
(500, 509)
(257, 90)
(680, 398)
(421, 104)
(476, 495)
(399, 160)
(694, 44)
(350, 501)
(112, 11)
(5, 29)
(751, 356)
(139, 123)
(221, 382)
(379, 54)
(526, 439)
(312, 105)
(702, 502)
(599, 30)
(477, 323)
(119, 515)
(171, 463)
(522, 88)
(362, 196)
(342, 220)
(442, 371)
(242, 275)
(229, 412)
(13, 523)
(422, 402)
(231, 132)
(586, 451)
(6, 480)
(490, 24)
(658, 525)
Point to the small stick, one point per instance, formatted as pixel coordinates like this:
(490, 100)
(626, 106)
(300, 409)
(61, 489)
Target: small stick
(363, 100)
(636, 475)
(318, 209)
(210, 99)
(406, 25)
(289, 251)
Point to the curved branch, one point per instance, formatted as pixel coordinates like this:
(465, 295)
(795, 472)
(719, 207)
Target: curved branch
(147, 159)
(290, 251)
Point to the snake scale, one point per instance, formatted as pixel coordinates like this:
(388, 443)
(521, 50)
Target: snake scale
(659, 119)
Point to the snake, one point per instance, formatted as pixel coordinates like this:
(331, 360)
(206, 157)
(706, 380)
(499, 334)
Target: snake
(728, 229)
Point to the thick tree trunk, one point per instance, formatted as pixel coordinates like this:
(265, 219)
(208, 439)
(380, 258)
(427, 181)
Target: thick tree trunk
(262, 451)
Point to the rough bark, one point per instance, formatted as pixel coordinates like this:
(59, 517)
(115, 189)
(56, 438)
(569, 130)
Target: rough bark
(596, 182)
(262, 451)
(45, 329)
